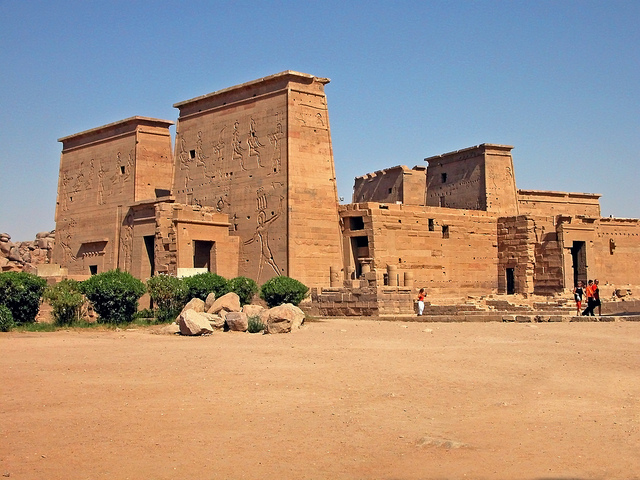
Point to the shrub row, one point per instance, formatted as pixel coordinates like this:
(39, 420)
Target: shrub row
(115, 294)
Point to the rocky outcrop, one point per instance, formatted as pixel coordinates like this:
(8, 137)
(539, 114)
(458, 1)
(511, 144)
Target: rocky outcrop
(26, 256)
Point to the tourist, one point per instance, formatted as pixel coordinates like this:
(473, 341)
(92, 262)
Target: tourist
(596, 297)
(421, 295)
(577, 295)
(590, 299)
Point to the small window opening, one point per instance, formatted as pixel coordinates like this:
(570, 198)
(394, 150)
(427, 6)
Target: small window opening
(443, 177)
(93, 269)
(445, 231)
(442, 201)
(431, 225)
(356, 223)
(121, 169)
(391, 190)
(192, 153)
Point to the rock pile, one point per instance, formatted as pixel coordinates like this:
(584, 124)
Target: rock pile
(25, 256)
(226, 314)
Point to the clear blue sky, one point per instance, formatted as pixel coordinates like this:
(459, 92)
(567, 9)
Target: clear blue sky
(558, 80)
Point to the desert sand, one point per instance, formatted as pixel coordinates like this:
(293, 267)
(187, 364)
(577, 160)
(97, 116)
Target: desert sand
(337, 399)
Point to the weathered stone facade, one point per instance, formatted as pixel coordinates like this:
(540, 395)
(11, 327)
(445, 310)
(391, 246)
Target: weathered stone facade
(250, 190)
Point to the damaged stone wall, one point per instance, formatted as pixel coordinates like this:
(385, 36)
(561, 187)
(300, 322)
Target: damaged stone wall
(26, 256)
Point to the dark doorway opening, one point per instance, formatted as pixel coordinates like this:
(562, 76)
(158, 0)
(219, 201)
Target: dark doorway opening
(93, 269)
(579, 261)
(202, 254)
(511, 281)
(150, 246)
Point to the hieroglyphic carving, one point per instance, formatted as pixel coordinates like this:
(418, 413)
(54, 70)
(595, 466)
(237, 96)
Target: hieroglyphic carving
(254, 142)
(218, 149)
(261, 235)
(200, 156)
(238, 156)
(101, 174)
(64, 192)
(184, 160)
(126, 242)
(274, 140)
(65, 237)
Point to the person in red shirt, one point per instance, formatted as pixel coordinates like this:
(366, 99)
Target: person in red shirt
(591, 303)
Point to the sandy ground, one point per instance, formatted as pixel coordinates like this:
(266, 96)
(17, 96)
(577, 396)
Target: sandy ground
(338, 399)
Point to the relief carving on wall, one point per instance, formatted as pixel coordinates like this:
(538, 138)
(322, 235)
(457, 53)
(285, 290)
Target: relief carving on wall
(126, 243)
(254, 142)
(65, 237)
(261, 235)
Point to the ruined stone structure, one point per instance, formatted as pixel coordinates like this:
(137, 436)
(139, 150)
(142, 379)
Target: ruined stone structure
(250, 190)
(478, 233)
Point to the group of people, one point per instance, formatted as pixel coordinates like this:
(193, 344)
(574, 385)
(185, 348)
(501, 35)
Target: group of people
(592, 292)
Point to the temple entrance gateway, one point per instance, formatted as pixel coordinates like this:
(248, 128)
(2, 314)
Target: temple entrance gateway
(579, 262)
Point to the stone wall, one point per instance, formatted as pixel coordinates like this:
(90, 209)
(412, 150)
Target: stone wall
(448, 251)
(106, 175)
(182, 230)
(26, 256)
(546, 203)
(392, 185)
(261, 153)
(476, 178)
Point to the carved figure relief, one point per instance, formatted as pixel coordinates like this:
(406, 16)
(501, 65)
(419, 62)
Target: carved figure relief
(184, 160)
(218, 149)
(64, 192)
(254, 142)
(238, 156)
(101, 174)
(274, 140)
(66, 237)
(261, 235)
(126, 243)
(200, 156)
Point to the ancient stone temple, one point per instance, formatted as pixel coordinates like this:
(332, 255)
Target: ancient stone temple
(250, 190)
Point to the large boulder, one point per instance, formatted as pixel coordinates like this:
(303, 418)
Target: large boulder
(282, 319)
(194, 304)
(253, 310)
(216, 321)
(208, 303)
(237, 321)
(193, 323)
(226, 303)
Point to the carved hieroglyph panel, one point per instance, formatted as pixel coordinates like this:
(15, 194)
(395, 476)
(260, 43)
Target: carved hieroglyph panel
(236, 163)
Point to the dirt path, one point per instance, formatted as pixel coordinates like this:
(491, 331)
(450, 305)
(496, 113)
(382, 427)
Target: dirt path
(338, 399)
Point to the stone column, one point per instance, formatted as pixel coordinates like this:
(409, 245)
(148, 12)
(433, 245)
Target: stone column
(392, 272)
(408, 279)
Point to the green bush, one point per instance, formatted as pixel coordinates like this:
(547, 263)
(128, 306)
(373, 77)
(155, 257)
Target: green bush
(114, 295)
(279, 290)
(244, 287)
(202, 284)
(6, 319)
(168, 294)
(66, 300)
(21, 293)
(255, 325)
